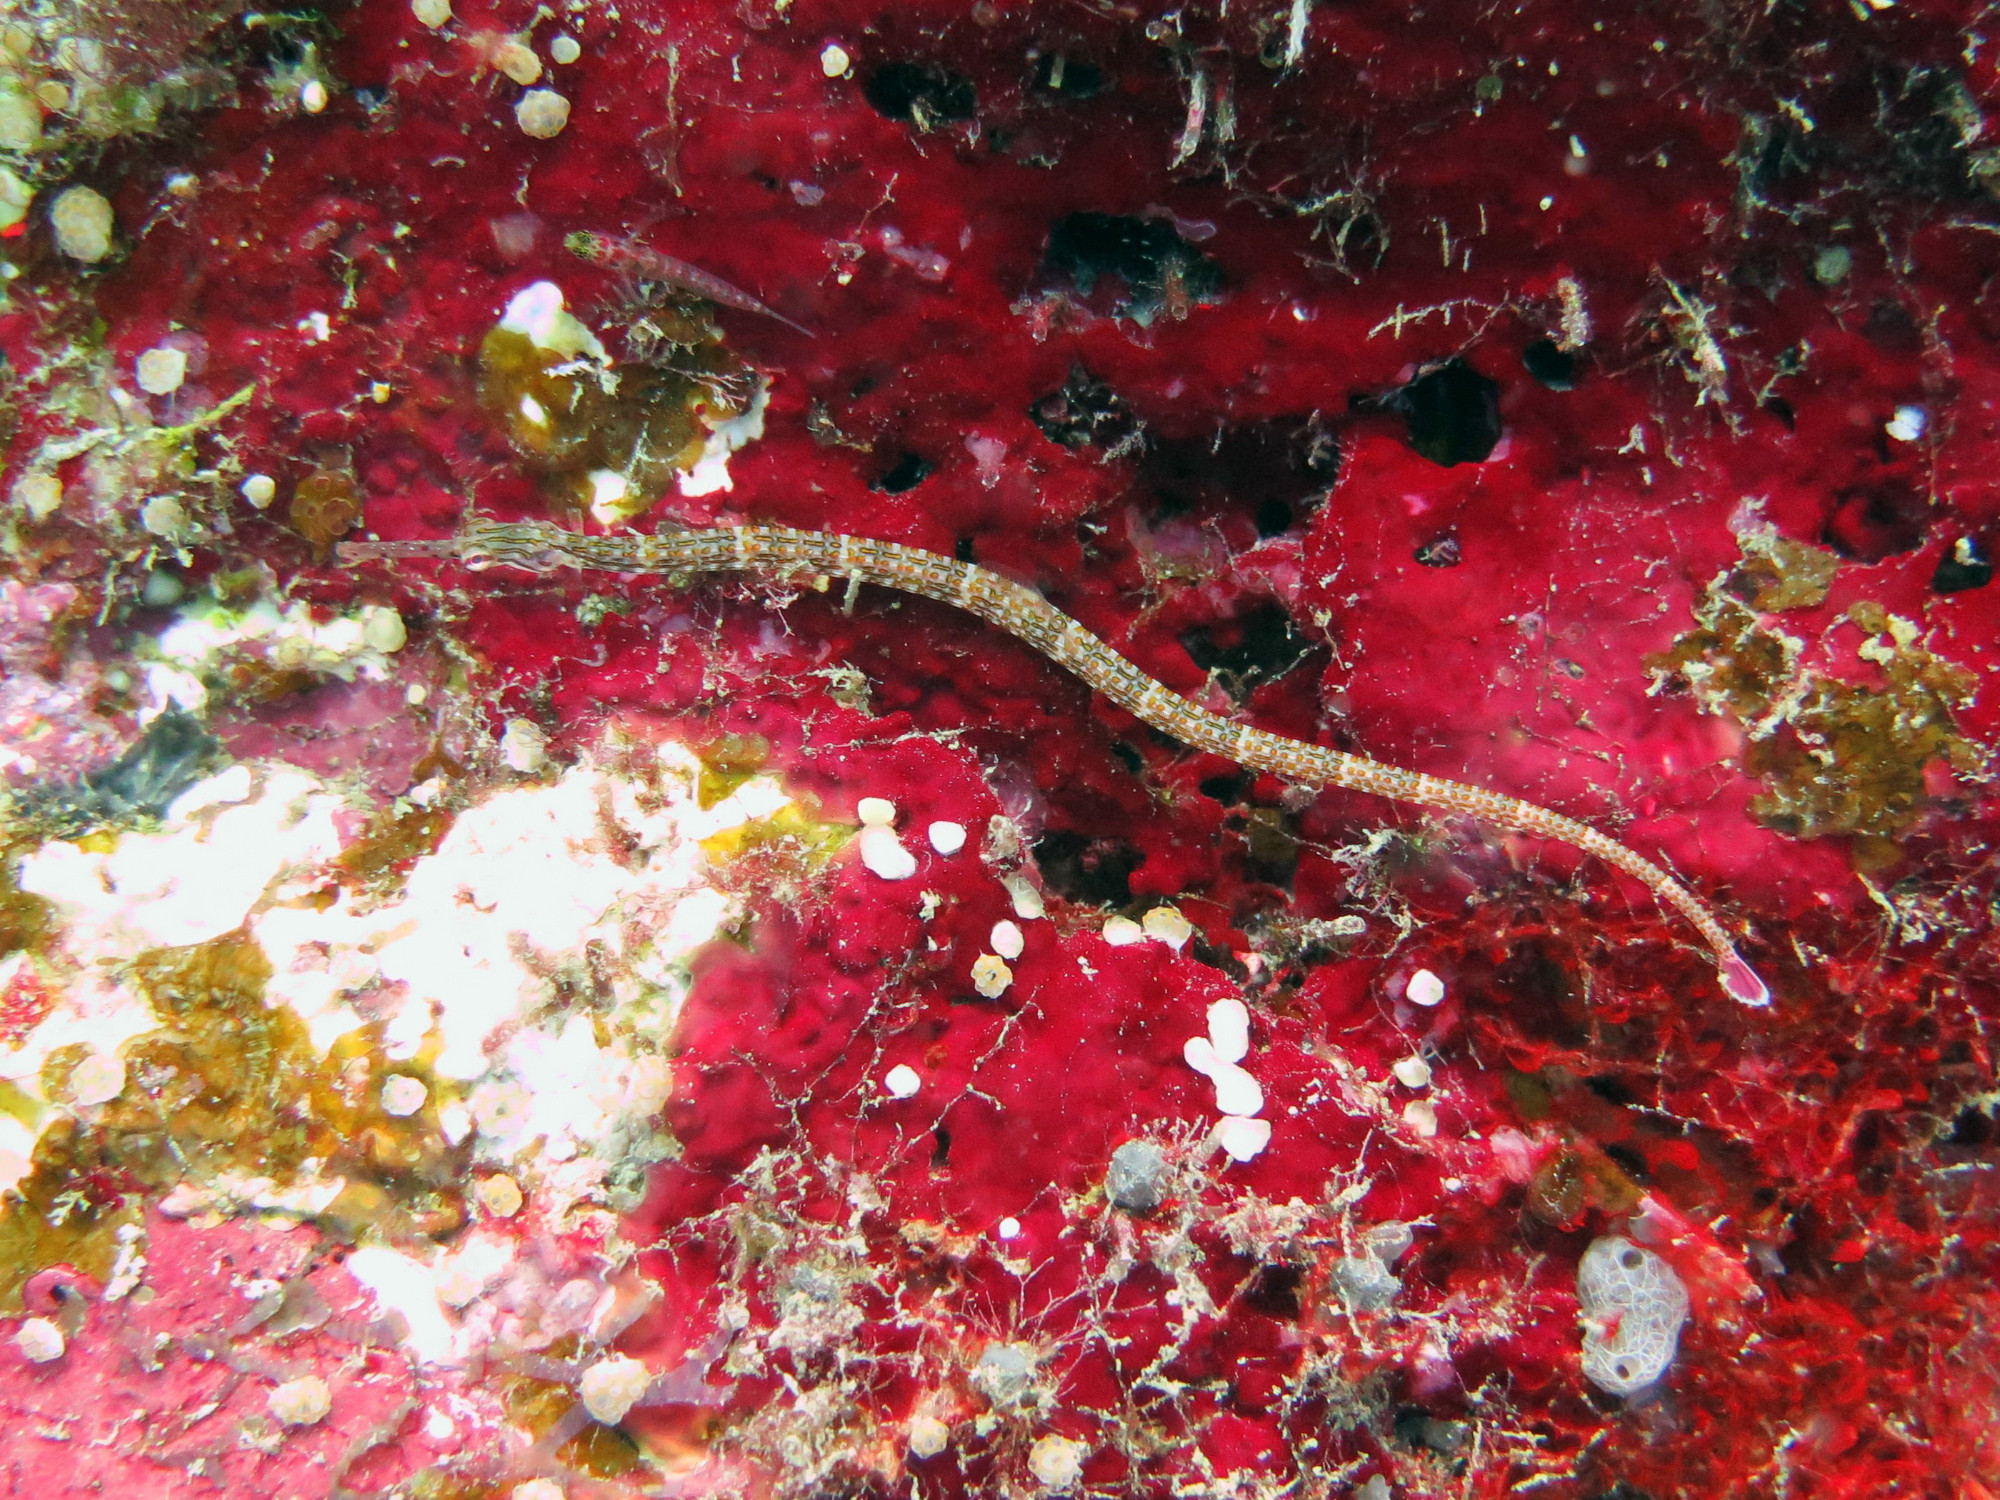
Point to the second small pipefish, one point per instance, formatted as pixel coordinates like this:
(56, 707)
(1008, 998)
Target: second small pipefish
(629, 258)
(1026, 615)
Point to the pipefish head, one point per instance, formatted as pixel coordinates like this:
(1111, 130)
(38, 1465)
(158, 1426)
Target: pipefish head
(587, 245)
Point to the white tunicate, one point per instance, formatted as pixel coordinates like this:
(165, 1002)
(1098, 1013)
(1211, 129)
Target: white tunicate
(542, 113)
(382, 629)
(1005, 1373)
(1164, 924)
(1831, 265)
(38, 494)
(902, 1081)
(612, 1387)
(610, 492)
(876, 812)
(564, 48)
(518, 61)
(98, 1079)
(833, 60)
(39, 1341)
(536, 312)
(499, 1195)
(1028, 904)
(1229, 1029)
(301, 1402)
(1411, 1072)
(1236, 1092)
(1424, 989)
(884, 854)
(431, 13)
(83, 222)
(163, 516)
(160, 370)
(524, 746)
(536, 1489)
(1242, 1138)
(260, 490)
(1007, 940)
(1200, 1054)
(403, 1095)
(991, 976)
(15, 197)
(1122, 932)
(1421, 1116)
(928, 1437)
(1056, 1462)
(1908, 424)
(947, 838)
(1633, 1309)
(20, 118)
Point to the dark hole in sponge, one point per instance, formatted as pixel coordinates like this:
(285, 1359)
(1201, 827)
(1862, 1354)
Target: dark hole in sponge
(1254, 648)
(906, 473)
(1275, 1291)
(1068, 77)
(1964, 565)
(1147, 255)
(921, 93)
(1452, 412)
(1277, 469)
(1871, 522)
(1550, 364)
(1094, 871)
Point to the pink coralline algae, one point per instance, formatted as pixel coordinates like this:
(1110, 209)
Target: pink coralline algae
(535, 1031)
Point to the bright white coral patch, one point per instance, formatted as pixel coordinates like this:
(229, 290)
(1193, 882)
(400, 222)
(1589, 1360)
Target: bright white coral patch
(463, 964)
(194, 880)
(208, 637)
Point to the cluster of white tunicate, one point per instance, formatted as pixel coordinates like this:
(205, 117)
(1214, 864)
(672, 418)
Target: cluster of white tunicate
(1238, 1096)
(1633, 1307)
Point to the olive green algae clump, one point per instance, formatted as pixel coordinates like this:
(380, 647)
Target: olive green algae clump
(1834, 756)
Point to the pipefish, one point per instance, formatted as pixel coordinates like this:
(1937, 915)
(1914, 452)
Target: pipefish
(1026, 615)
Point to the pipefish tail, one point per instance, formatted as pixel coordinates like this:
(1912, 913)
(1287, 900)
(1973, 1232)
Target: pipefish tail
(1025, 614)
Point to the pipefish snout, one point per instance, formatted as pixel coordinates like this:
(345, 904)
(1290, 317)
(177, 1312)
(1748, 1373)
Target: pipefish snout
(1025, 614)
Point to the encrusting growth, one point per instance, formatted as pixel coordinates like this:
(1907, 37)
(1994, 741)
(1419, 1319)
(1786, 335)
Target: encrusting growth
(1022, 612)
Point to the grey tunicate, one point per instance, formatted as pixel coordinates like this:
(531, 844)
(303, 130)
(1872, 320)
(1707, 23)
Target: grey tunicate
(1137, 1177)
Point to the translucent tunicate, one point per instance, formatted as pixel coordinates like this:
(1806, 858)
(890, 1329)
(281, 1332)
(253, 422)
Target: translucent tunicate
(1633, 1308)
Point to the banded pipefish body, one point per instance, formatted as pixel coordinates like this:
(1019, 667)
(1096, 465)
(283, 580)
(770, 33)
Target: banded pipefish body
(1025, 614)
